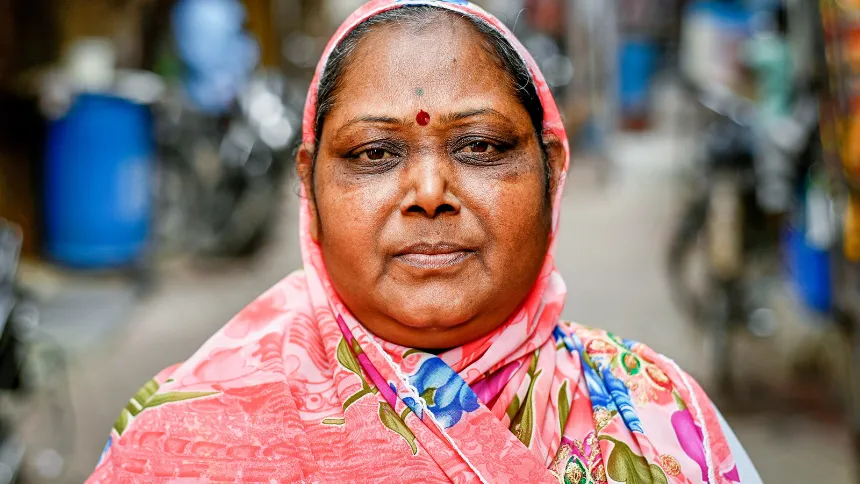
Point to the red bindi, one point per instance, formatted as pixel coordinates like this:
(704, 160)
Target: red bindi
(423, 118)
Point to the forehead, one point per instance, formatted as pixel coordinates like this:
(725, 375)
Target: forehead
(439, 66)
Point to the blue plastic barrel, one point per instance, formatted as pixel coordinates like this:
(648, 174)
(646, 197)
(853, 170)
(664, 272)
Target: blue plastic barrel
(809, 269)
(97, 183)
(637, 63)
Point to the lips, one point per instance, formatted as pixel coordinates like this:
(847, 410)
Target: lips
(434, 256)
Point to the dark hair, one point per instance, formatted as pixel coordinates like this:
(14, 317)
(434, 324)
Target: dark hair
(421, 16)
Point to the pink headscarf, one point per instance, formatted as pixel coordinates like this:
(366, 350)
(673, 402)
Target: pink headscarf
(295, 389)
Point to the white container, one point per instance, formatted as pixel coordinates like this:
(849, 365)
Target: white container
(90, 65)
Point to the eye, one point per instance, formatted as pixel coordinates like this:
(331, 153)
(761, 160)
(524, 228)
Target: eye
(375, 154)
(479, 147)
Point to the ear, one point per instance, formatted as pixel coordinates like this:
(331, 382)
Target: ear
(555, 161)
(305, 168)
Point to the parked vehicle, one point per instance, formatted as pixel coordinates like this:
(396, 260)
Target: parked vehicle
(225, 135)
(11, 445)
(726, 243)
(221, 177)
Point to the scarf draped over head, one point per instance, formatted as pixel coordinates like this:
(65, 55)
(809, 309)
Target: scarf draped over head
(295, 389)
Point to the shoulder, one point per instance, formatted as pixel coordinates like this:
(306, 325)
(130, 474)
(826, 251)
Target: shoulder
(247, 351)
(240, 369)
(650, 389)
(599, 347)
(632, 361)
(603, 345)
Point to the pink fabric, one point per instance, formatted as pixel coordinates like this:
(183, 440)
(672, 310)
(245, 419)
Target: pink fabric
(295, 389)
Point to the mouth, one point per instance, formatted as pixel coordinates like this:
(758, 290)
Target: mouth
(434, 256)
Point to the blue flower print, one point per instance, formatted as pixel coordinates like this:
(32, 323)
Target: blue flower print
(446, 394)
(417, 409)
(104, 451)
(609, 392)
(621, 396)
(410, 402)
(559, 335)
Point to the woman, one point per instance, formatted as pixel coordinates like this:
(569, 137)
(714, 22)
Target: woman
(422, 341)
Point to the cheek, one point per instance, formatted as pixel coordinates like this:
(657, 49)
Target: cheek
(512, 204)
(516, 215)
(351, 215)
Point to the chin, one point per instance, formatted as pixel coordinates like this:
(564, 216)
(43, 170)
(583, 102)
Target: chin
(442, 326)
(431, 317)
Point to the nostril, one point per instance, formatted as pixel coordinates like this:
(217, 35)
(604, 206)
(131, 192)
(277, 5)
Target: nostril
(443, 208)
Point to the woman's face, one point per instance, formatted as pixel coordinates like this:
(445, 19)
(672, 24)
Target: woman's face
(434, 231)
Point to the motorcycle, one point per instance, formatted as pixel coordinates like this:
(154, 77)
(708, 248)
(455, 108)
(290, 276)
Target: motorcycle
(34, 382)
(726, 242)
(225, 134)
(11, 445)
(221, 177)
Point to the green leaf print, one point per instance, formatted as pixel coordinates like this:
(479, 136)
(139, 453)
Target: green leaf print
(405, 413)
(588, 361)
(533, 365)
(625, 466)
(135, 405)
(147, 391)
(390, 419)
(563, 407)
(429, 396)
(147, 397)
(679, 401)
(334, 421)
(630, 363)
(523, 423)
(410, 352)
(356, 348)
(356, 397)
(513, 408)
(347, 359)
(122, 422)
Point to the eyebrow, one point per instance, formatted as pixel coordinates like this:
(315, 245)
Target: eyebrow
(375, 119)
(446, 118)
(459, 116)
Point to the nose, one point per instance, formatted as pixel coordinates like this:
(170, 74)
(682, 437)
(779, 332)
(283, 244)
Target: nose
(430, 181)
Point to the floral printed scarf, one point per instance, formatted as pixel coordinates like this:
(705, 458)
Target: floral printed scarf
(295, 389)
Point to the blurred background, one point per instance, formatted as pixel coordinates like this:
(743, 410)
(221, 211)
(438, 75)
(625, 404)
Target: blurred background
(148, 192)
